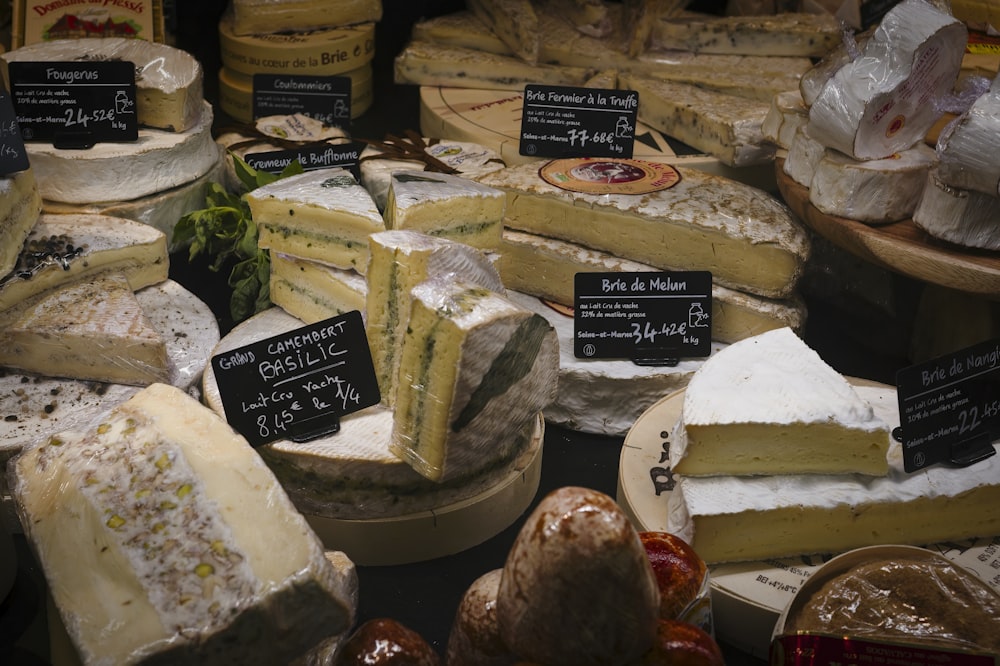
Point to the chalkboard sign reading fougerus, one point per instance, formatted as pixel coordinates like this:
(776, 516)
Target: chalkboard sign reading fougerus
(562, 121)
(298, 384)
(325, 98)
(75, 104)
(652, 318)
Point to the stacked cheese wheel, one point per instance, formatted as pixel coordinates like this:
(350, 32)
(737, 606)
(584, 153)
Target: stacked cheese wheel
(130, 180)
(292, 38)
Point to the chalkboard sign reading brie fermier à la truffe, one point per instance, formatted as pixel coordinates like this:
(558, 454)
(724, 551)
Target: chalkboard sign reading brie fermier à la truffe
(298, 384)
(652, 318)
(324, 98)
(75, 104)
(563, 121)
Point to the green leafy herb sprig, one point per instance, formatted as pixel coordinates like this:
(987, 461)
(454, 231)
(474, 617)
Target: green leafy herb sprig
(225, 231)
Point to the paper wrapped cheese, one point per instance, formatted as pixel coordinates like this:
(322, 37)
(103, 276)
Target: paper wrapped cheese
(884, 100)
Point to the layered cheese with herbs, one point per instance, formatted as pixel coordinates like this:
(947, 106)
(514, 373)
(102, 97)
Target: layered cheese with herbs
(313, 291)
(192, 550)
(323, 215)
(256, 17)
(473, 366)
(747, 238)
(399, 261)
(63, 248)
(447, 206)
(92, 329)
(770, 405)
(20, 205)
(168, 80)
(783, 34)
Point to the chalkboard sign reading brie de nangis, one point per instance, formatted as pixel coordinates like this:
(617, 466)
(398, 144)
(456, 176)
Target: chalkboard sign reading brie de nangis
(75, 104)
(562, 121)
(298, 384)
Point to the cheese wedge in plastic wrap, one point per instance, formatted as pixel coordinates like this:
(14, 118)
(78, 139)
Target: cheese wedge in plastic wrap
(63, 248)
(255, 17)
(164, 537)
(888, 98)
(969, 147)
(313, 291)
(168, 80)
(473, 366)
(747, 238)
(400, 260)
(786, 115)
(804, 154)
(963, 217)
(91, 329)
(784, 34)
(514, 22)
(20, 205)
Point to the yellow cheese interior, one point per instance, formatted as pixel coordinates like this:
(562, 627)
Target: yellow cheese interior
(475, 221)
(308, 291)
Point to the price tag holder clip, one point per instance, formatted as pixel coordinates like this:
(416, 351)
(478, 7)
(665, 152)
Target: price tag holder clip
(655, 358)
(972, 450)
(330, 428)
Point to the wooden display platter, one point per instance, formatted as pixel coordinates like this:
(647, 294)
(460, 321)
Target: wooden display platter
(902, 247)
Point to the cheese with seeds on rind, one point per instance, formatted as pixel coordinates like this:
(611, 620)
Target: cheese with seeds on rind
(725, 126)
(546, 267)
(473, 366)
(426, 64)
(468, 159)
(323, 52)
(747, 238)
(871, 191)
(62, 248)
(964, 217)
(783, 34)
(794, 514)
(156, 162)
(967, 149)
(446, 206)
(514, 22)
(20, 205)
(323, 215)
(770, 405)
(192, 550)
(400, 260)
(91, 329)
(168, 80)
(885, 100)
(312, 291)
(786, 115)
(256, 17)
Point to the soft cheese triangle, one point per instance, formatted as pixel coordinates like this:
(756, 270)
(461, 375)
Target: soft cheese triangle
(168, 80)
(313, 291)
(770, 405)
(164, 536)
(747, 238)
(324, 215)
(473, 366)
(20, 204)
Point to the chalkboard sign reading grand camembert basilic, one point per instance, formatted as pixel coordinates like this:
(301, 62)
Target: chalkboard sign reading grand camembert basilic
(298, 384)
(75, 104)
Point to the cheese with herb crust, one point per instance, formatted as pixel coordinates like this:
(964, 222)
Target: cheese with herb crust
(473, 366)
(191, 549)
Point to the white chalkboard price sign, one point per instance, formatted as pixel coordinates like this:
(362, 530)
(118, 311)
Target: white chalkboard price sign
(75, 104)
(298, 384)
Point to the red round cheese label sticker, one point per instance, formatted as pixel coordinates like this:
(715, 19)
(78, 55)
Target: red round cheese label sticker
(609, 175)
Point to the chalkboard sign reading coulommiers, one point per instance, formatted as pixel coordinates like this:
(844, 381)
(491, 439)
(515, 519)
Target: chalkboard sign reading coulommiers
(298, 384)
(325, 98)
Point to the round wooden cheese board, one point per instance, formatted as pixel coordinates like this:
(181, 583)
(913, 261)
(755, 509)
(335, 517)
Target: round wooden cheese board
(902, 246)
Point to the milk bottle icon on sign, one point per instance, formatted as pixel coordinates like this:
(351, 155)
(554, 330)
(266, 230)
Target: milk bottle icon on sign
(697, 317)
(123, 105)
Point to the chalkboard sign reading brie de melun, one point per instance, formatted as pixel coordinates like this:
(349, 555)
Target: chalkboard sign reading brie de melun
(652, 318)
(325, 98)
(298, 384)
(562, 121)
(75, 104)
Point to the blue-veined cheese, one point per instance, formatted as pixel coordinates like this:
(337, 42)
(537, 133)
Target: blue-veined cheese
(770, 405)
(400, 260)
(62, 248)
(783, 34)
(447, 206)
(254, 17)
(833, 513)
(92, 329)
(20, 205)
(964, 217)
(313, 291)
(192, 550)
(168, 80)
(747, 238)
(473, 366)
(324, 215)
(513, 21)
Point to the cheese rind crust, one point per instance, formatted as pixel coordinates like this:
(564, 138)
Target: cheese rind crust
(192, 551)
(20, 205)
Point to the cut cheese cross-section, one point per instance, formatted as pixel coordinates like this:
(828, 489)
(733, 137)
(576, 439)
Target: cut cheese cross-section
(20, 205)
(747, 238)
(313, 291)
(91, 329)
(445, 205)
(785, 34)
(474, 366)
(400, 260)
(63, 248)
(323, 215)
(164, 536)
(770, 405)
